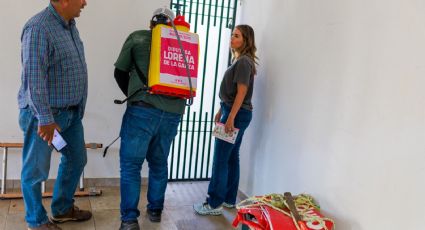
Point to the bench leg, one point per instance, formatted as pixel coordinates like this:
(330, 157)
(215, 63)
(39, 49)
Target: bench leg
(4, 172)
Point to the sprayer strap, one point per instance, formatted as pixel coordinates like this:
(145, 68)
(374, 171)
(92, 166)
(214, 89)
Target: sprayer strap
(142, 77)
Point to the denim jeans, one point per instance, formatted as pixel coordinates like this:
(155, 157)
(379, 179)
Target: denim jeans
(224, 181)
(36, 156)
(145, 133)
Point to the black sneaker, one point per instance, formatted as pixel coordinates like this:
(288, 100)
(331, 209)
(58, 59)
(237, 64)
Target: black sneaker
(129, 225)
(154, 215)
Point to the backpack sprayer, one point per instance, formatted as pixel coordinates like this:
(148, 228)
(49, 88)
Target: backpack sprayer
(167, 65)
(173, 68)
(174, 58)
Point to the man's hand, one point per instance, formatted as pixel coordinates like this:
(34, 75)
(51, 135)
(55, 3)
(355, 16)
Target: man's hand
(46, 132)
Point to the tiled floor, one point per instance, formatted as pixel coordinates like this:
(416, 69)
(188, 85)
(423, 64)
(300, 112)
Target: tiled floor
(178, 212)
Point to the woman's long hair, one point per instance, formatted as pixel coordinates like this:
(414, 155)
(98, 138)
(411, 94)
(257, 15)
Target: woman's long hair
(248, 48)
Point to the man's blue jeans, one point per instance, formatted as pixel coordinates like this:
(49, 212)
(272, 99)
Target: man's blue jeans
(224, 182)
(145, 133)
(36, 156)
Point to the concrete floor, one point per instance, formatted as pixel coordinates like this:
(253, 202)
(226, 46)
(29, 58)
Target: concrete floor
(178, 212)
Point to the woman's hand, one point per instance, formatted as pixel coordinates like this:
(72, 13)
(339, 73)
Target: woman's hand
(230, 125)
(217, 116)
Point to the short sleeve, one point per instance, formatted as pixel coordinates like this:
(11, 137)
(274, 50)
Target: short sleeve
(243, 70)
(124, 61)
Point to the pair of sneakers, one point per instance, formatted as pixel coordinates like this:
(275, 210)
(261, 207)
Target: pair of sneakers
(206, 209)
(74, 214)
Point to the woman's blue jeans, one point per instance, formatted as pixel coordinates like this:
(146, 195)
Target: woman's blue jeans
(145, 133)
(36, 156)
(224, 182)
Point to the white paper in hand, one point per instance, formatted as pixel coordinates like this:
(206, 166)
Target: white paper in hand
(58, 142)
(221, 134)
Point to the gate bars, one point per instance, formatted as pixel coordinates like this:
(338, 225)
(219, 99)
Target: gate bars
(191, 150)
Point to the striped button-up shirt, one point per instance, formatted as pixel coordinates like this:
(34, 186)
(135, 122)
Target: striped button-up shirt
(54, 70)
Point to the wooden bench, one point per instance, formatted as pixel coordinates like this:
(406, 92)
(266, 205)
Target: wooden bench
(4, 195)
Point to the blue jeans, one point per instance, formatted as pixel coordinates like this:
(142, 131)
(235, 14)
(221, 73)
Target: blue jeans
(36, 156)
(224, 181)
(145, 133)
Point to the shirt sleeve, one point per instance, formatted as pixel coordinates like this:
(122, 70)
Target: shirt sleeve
(124, 62)
(35, 62)
(243, 71)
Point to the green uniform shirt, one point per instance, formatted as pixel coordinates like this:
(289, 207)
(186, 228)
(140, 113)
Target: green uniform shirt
(138, 43)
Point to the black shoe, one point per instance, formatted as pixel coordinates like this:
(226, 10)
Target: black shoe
(154, 215)
(129, 225)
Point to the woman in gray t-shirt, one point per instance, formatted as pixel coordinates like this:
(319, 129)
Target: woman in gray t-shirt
(235, 113)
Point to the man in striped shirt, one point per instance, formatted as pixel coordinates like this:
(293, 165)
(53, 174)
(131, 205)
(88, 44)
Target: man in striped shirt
(52, 97)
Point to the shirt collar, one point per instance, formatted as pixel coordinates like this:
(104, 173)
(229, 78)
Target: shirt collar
(60, 18)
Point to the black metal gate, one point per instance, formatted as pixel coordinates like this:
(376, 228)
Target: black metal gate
(191, 151)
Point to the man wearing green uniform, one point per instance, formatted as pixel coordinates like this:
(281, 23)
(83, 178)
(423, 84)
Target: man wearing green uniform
(148, 128)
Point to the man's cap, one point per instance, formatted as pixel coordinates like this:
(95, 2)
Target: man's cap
(164, 11)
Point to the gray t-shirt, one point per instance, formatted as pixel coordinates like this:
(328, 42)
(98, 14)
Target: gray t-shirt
(241, 71)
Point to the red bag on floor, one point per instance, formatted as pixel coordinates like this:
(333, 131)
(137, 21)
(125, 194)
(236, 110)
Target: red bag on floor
(264, 213)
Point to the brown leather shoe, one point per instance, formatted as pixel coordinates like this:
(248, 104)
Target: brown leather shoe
(74, 214)
(48, 226)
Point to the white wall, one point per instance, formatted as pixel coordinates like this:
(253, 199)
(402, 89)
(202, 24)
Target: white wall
(339, 108)
(103, 26)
